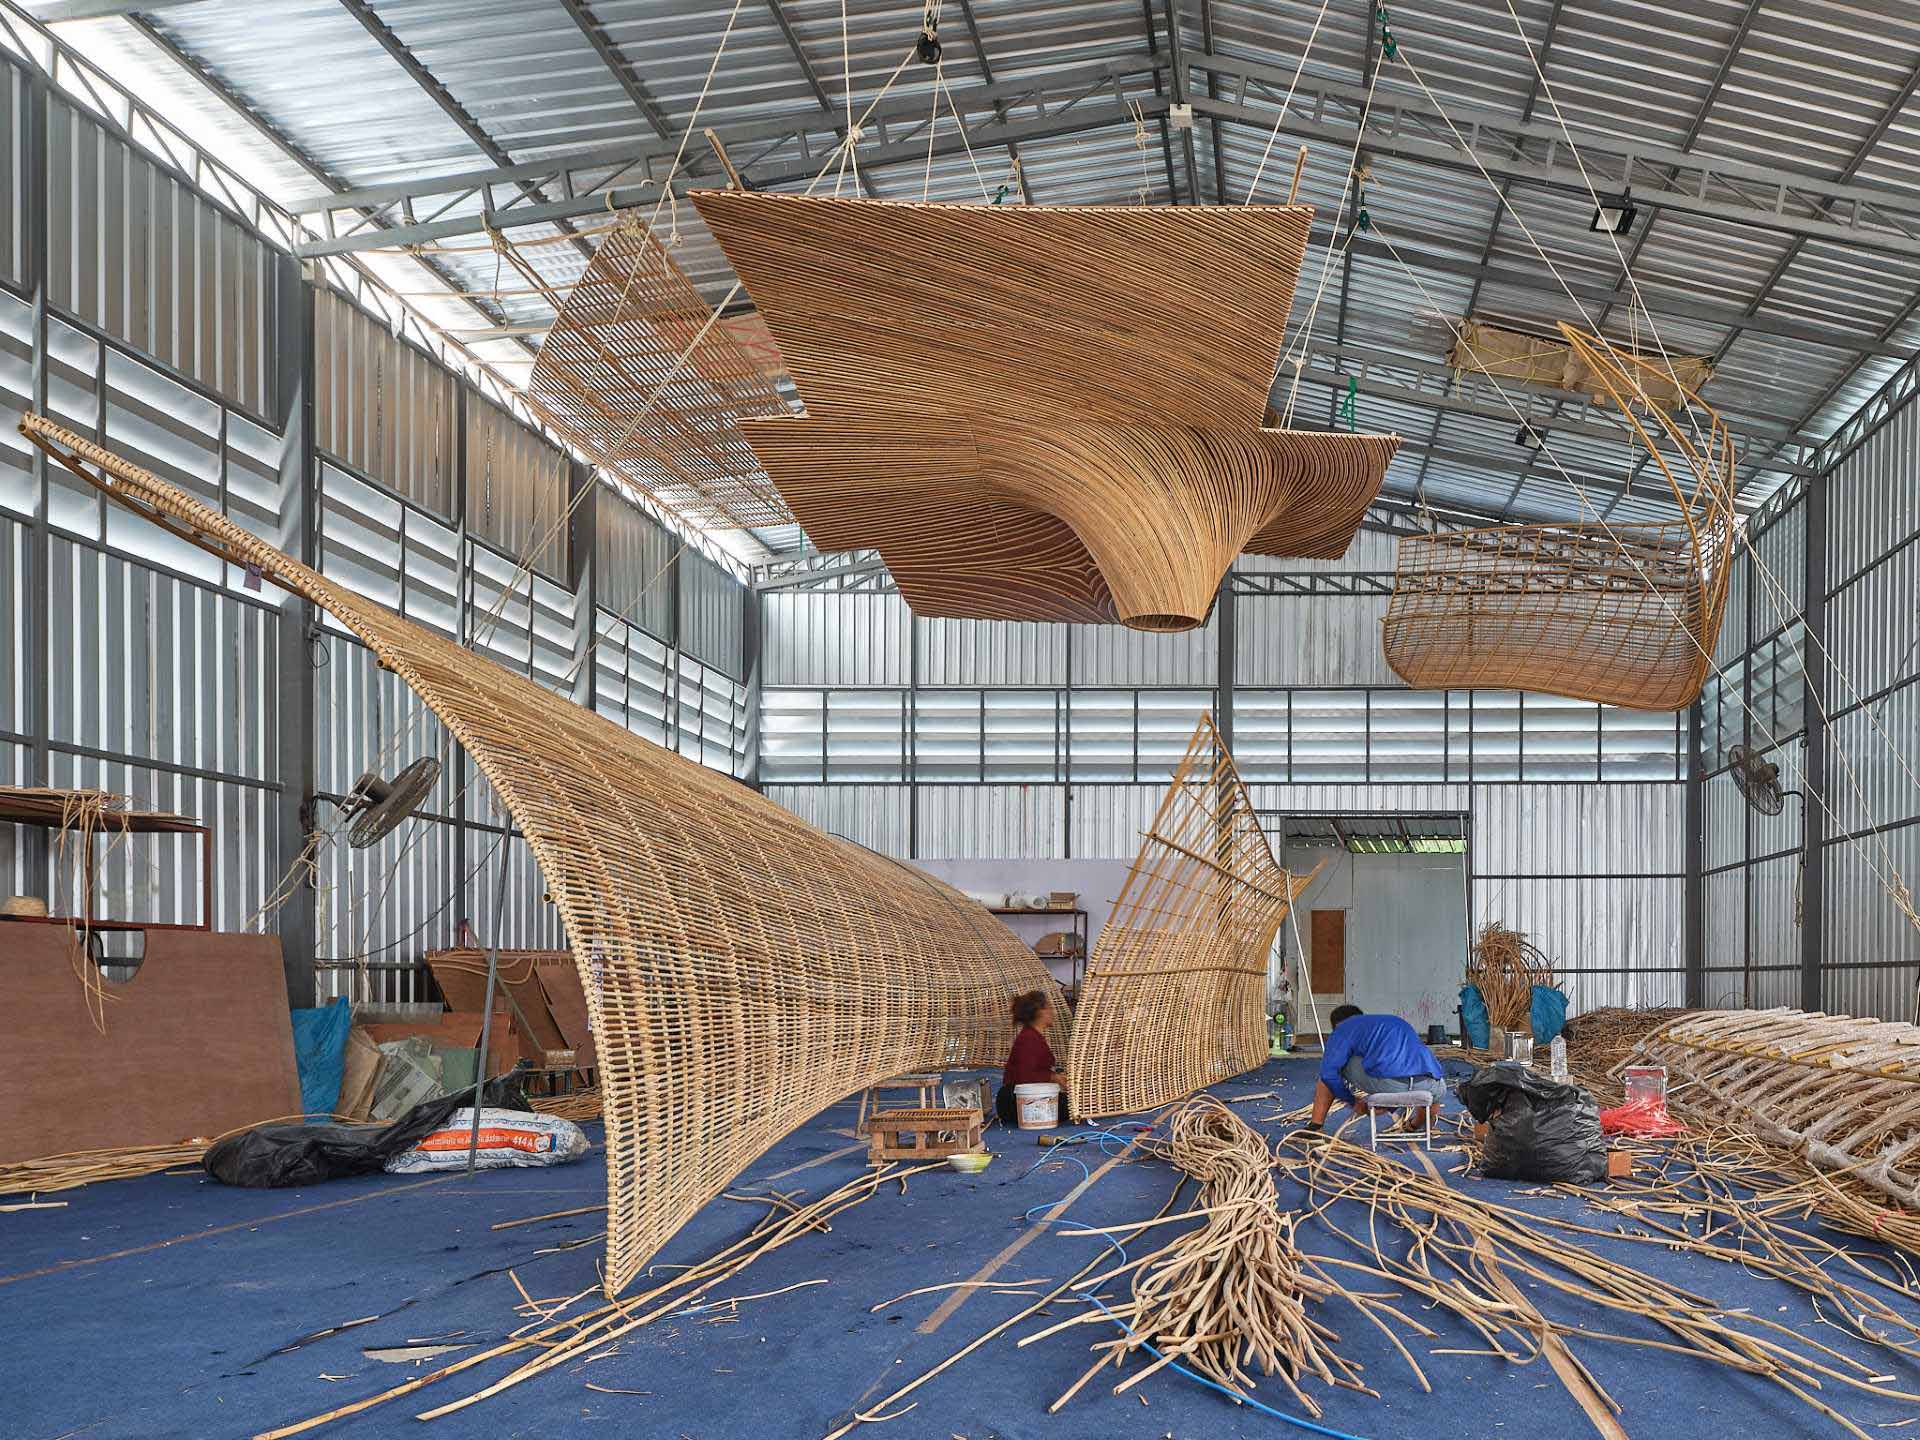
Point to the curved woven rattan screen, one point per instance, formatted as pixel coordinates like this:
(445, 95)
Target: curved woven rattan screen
(1620, 614)
(1844, 1092)
(1042, 412)
(742, 969)
(1175, 993)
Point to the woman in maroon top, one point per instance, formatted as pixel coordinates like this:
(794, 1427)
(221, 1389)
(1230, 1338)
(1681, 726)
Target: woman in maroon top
(1030, 1062)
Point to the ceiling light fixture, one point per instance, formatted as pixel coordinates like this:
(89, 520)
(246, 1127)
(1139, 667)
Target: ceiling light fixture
(1614, 216)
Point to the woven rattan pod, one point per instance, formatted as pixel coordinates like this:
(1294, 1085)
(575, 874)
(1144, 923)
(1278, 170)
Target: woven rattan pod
(742, 969)
(1620, 614)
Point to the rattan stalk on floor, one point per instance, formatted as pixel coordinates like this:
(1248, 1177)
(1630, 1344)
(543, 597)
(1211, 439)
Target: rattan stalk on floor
(1042, 413)
(1175, 993)
(742, 969)
(1620, 614)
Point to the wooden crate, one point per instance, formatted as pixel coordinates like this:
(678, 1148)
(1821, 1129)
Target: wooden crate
(921, 1134)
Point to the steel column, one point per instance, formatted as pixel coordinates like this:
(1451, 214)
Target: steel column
(1696, 888)
(1815, 688)
(297, 766)
(38, 876)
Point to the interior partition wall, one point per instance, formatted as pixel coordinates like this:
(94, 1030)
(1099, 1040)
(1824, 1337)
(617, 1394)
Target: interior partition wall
(144, 313)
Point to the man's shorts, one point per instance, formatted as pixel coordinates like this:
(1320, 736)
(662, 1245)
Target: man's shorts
(1361, 1083)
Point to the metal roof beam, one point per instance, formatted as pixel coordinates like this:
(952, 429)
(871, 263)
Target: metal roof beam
(788, 150)
(1176, 54)
(1766, 197)
(812, 77)
(618, 65)
(999, 109)
(102, 9)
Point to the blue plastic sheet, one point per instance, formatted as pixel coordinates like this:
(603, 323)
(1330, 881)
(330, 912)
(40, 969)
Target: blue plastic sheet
(320, 1050)
(1473, 1014)
(1549, 1014)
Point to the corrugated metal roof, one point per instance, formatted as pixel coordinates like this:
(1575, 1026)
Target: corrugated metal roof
(1824, 87)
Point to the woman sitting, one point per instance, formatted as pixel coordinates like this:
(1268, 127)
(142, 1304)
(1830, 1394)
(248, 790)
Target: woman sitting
(1030, 1062)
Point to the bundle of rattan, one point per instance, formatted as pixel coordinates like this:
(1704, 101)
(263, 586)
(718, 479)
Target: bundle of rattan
(577, 1106)
(1226, 1297)
(83, 1167)
(1506, 966)
(1600, 1041)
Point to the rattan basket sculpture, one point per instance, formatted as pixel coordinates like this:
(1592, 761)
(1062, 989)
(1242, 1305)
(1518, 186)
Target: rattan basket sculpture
(611, 377)
(1844, 1092)
(742, 969)
(1622, 614)
(1042, 413)
(1175, 994)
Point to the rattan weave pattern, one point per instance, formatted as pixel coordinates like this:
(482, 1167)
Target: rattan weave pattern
(742, 969)
(1042, 413)
(1175, 993)
(1625, 614)
(1843, 1091)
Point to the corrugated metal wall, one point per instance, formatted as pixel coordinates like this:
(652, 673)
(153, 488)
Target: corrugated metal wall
(382, 406)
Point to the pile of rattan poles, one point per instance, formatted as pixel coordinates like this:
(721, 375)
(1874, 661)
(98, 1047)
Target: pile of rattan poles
(1225, 1298)
(1471, 1256)
(1506, 966)
(49, 1173)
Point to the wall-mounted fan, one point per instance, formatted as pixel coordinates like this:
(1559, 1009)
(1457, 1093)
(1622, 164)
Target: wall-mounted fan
(376, 805)
(1758, 779)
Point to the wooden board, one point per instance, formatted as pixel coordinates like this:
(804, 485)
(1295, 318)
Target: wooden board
(567, 1003)
(462, 978)
(198, 1042)
(1329, 952)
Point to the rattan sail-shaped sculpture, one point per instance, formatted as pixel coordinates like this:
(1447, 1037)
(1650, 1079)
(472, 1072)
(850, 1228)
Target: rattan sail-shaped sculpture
(1621, 614)
(1175, 992)
(1844, 1092)
(1039, 413)
(742, 969)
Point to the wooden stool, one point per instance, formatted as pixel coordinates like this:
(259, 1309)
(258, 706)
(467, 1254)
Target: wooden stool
(921, 1134)
(927, 1084)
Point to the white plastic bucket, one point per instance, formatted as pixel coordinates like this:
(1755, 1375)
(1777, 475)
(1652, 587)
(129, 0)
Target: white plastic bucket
(1038, 1106)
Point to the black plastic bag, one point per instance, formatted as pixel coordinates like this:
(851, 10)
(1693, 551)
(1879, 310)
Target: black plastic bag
(1537, 1129)
(277, 1157)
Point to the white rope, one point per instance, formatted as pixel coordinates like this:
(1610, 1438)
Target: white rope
(1305, 51)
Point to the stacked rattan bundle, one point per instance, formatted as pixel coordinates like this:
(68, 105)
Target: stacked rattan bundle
(1175, 992)
(1843, 1092)
(742, 969)
(1042, 413)
(1505, 965)
(1620, 614)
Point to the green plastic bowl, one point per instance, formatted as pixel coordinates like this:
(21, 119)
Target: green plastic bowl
(970, 1164)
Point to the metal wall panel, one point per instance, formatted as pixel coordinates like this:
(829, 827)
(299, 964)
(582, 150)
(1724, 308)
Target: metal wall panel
(712, 614)
(1310, 640)
(1612, 942)
(876, 816)
(632, 555)
(1726, 939)
(1873, 500)
(383, 406)
(1579, 829)
(13, 171)
(1108, 820)
(1003, 821)
(17, 680)
(808, 638)
(1115, 655)
(1872, 950)
(136, 252)
(516, 489)
(983, 652)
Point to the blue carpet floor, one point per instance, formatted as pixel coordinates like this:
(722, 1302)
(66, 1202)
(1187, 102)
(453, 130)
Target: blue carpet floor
(175, 1307)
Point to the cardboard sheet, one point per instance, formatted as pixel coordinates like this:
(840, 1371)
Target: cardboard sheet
(198, 1042)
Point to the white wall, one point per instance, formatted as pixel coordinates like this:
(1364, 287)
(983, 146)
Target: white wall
(1406, 930)
(1097, 882)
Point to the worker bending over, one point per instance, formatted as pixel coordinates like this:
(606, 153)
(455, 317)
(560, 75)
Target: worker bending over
(1372, 1054)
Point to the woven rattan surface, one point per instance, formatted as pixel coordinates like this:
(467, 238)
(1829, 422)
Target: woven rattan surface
(610, 378)
(1043, 413)
(1175, 994)
(1624, 614)
(742, 969)
(1845, 1092)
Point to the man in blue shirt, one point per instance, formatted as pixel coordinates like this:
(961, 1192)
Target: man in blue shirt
(1370, 1054)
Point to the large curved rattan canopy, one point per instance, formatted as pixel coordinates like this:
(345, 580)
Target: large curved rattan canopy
(1175, 994)
(742, 969)
(1042, 413)
(1620, 614)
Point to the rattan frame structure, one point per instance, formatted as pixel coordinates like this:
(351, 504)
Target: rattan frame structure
(1042, 413)
(1844, 1092)
(1620, 614)
(742, 969)
(1175, 993)
(637, 374)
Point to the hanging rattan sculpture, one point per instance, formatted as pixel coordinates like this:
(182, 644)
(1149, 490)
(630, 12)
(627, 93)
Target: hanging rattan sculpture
(1175, 994)
(742, 969)
(1042, 413)
(1620, 614)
